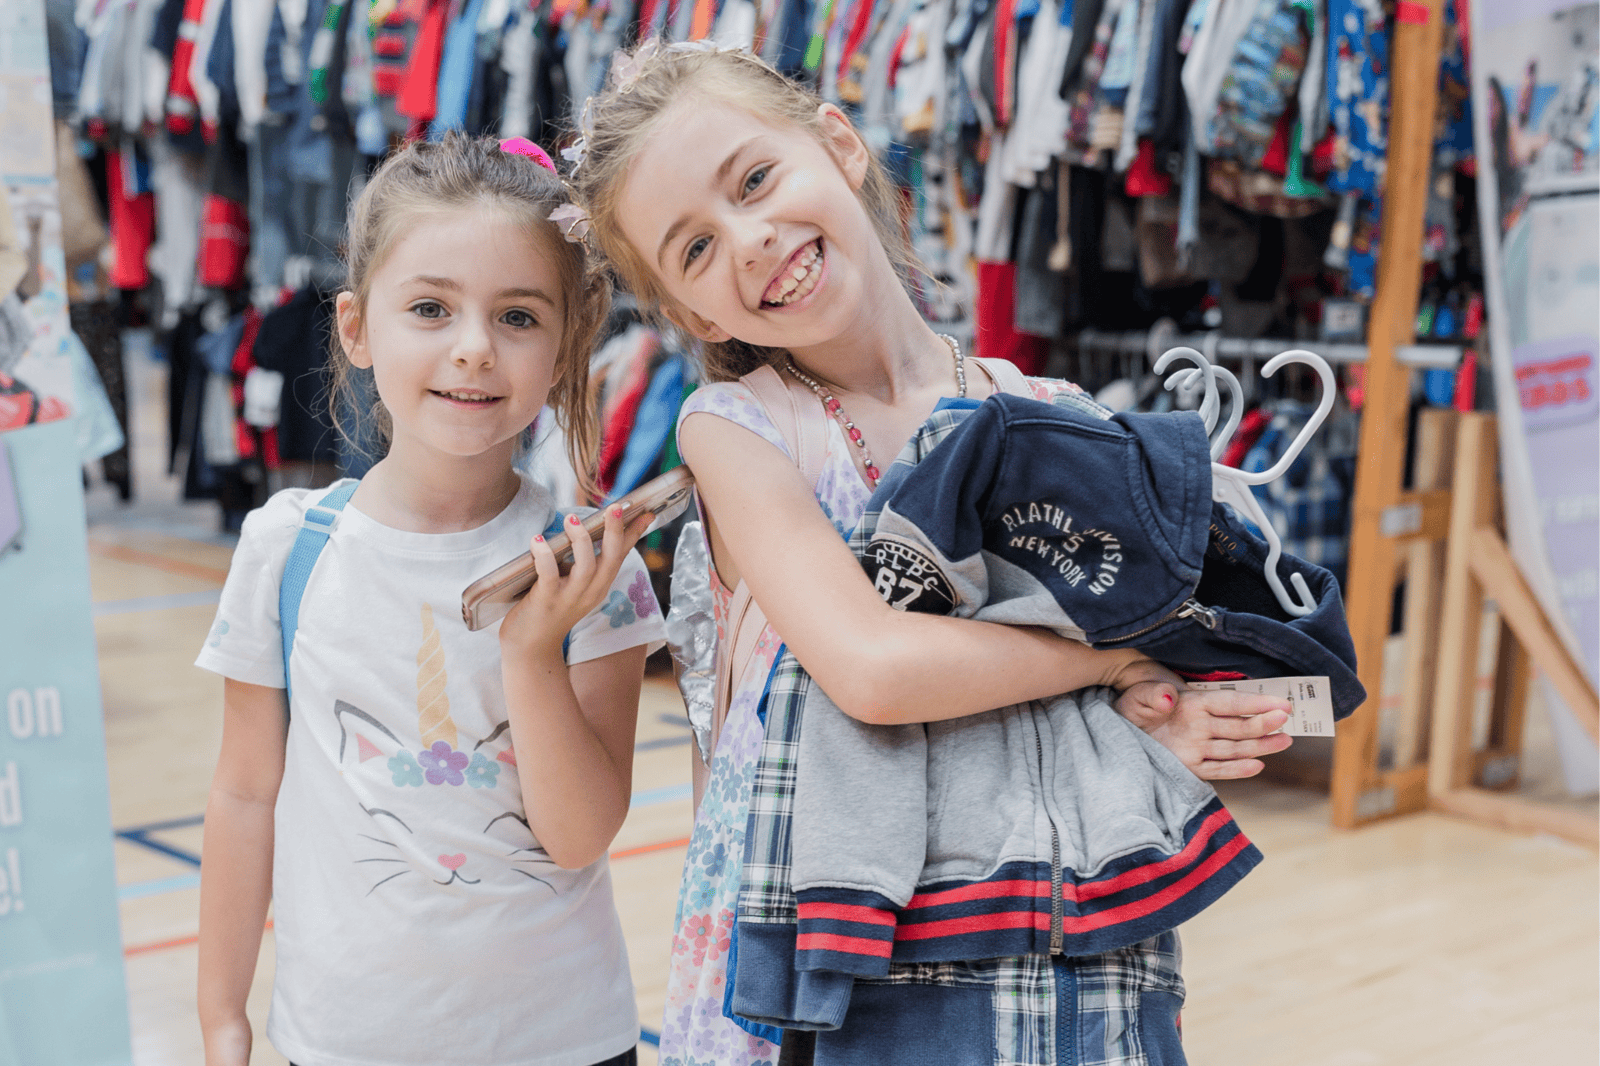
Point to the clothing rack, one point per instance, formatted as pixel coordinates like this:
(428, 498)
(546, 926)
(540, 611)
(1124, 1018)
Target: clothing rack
(1386, 517)
(1140, 342)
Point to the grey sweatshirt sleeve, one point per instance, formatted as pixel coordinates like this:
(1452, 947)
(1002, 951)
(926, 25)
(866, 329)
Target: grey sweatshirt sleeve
(861, 812)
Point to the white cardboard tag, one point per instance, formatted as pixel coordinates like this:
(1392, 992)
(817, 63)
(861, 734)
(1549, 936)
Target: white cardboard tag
(1310, 700)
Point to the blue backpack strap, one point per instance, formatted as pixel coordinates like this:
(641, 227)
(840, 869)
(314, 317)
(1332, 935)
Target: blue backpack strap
(315, 528)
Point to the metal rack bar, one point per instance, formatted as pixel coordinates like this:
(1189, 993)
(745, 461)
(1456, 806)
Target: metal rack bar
(1137, 342)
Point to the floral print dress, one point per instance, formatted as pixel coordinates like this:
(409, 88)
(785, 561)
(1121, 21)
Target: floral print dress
(695, 1031)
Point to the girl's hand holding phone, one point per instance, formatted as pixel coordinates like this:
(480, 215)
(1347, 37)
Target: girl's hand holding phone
(539, 621)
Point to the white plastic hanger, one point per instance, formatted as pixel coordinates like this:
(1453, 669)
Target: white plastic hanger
(1209, 402)
(1210, 405)
(1219, 441)
(1231, 486)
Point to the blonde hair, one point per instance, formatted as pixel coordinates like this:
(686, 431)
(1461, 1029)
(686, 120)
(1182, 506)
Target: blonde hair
(461, 172)
(617, 122)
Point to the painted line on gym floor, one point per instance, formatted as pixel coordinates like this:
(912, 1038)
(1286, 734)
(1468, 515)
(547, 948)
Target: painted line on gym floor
(193, 938)
(667, 742)
(183, 855)
(662, 742)
(645, 849)
(203, 598)
(175, 942)
(186, 822)
(140, 834)
(125, 554)
(160, 945)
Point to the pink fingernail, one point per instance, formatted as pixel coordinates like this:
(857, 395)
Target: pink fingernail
(539, 538)
(617, 513)
(572, 518)
(1167, 696)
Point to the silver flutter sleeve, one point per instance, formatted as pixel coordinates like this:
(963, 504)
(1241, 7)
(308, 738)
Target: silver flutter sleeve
(692, 632)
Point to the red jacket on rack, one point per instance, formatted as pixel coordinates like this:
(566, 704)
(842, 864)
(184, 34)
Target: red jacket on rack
(182, 106)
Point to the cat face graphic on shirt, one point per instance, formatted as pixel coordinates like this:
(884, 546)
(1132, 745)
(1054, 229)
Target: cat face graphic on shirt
(410, 789)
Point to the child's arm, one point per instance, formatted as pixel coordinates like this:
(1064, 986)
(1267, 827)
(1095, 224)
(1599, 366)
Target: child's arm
(236, 877)
(879, 665)
(572, 728)
(573, 732)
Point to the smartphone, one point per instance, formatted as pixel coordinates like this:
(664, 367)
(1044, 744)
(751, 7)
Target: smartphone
(491, 597)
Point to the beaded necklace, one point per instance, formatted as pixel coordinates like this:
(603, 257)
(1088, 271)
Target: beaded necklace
(836, 409)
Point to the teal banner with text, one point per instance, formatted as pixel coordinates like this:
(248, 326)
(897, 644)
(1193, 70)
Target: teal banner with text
(63, 999)
(63, 996)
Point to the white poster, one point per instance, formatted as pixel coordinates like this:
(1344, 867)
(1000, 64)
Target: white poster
(1536, 98)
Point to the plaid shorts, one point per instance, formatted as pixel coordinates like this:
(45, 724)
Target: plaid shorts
(1119, 1008)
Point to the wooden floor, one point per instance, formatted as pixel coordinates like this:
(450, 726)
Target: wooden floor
(1420, 941)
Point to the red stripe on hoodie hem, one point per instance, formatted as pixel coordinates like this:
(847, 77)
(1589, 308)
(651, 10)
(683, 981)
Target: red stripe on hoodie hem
(846, 912)
(1084, 891)
(983, 923)
(848, 945)
(980, 890)
(1143, 874)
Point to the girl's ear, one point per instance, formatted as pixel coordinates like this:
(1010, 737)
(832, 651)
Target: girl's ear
(691, 323)
(845, 144)
(352, 338)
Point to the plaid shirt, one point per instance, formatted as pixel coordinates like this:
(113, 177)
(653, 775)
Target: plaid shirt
(1024, 987)
(767, 895)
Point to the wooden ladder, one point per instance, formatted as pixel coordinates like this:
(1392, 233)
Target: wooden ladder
(1361, 790)
(1465, 778)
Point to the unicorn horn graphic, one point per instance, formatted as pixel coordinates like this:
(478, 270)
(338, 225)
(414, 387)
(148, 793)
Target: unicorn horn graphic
(433, 706)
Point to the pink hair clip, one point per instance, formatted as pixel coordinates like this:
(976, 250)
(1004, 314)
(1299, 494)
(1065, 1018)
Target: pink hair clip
(523, 146)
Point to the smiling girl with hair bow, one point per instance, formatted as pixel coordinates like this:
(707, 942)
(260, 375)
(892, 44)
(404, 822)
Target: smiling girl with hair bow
(429, 811)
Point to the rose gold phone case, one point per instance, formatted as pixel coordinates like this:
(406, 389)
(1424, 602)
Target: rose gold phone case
(491, 597)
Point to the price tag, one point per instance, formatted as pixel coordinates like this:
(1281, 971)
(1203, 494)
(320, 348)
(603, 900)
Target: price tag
(1310, 700)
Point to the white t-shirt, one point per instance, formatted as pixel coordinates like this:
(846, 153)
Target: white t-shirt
(417, 921)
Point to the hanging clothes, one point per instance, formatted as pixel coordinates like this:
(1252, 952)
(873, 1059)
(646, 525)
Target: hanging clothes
(1258, 84)
(98, 325)
(293, 340)
(133, 219)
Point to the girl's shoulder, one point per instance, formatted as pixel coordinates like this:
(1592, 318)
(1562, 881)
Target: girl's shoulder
(1066, 394)
(734, 401)
(271, 528)
(289, 505)
(247, 615)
